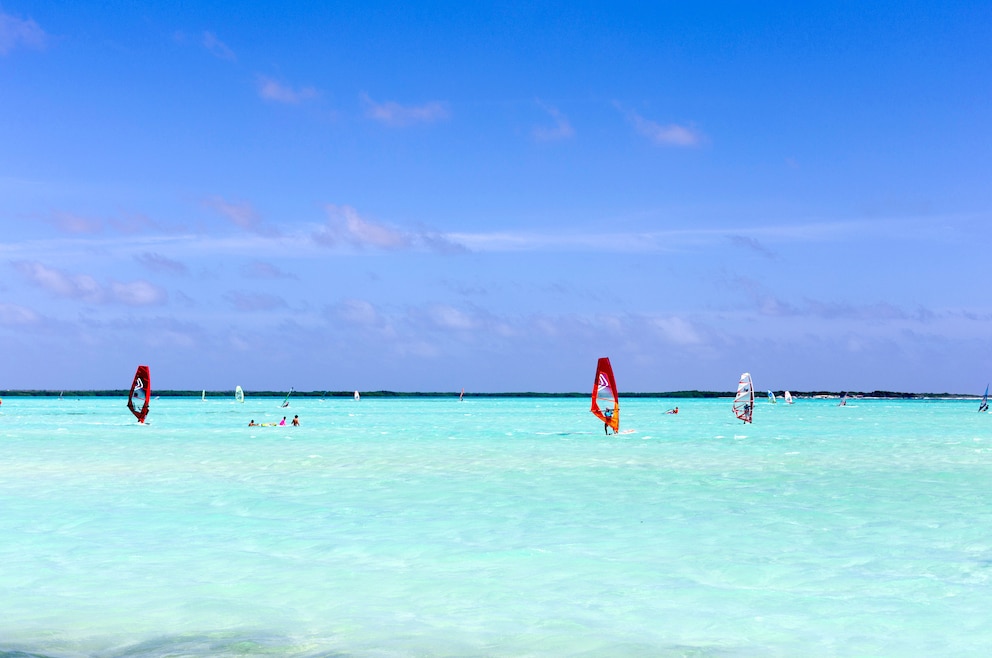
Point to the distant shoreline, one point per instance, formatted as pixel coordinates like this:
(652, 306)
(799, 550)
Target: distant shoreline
(878, 395)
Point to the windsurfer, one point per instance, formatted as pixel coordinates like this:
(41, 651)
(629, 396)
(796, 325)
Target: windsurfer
(673, 411)
(609, 416)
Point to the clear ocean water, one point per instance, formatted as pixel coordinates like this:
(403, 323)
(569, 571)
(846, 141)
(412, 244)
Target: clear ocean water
(494, 527)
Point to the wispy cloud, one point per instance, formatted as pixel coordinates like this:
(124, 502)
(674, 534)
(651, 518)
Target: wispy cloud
(345, 226)
(159, 263)
(17, 32)
(676, 330)
(449, 317)
(671, 134)
(216, 47)
(751, 244)
(241, 214)
(394, 114)
(136, 293)
(252, 301)
(273, 90)
(76, 224)
(360, 313)
(85, 288)
(562, 128)
(262, 270)
(12, 315)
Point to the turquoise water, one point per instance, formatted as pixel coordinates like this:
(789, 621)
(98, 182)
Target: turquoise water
(494, 527)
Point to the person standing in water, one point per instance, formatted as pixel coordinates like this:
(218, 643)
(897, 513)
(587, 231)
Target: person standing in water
(609, 416)
(296, 420)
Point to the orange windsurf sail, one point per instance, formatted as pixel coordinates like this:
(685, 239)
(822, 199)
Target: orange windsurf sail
(605, 400)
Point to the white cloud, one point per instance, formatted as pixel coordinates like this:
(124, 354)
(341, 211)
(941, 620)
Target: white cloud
(677, 330)
(242, 215)
(80, 286)
(75, 224)
(561, 130)
(159, 263)
(246, 301)
(358, 311)
(448, 317)
(672, 134)
(137, 293)
(345, 225)
(262, 270)
(15, 315)
(16, 32)
(273, 90)
(217, 47)
(85, 288)
(394, 114)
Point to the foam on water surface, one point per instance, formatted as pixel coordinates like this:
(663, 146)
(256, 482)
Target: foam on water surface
(494, 527)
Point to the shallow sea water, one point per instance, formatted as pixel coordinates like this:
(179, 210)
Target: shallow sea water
(494, 527)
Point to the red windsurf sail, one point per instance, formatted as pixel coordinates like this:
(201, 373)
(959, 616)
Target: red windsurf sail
(141, 386)
(605, 400)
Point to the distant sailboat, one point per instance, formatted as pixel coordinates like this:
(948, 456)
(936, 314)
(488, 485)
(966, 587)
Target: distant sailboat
(239, 394)
(984, 406)
(285, 402)
(771, 398)
(788, 397)
(203, 395)
(843, 400)
(141, 387)
(744, 400)
(605, 400)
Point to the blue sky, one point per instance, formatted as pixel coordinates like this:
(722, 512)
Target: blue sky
(430, 196)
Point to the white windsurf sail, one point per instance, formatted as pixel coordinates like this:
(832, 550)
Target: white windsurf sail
(744, 400)
(203, 395)
(358, 396)
(771, 398)
(239, 394)
(788, 397)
